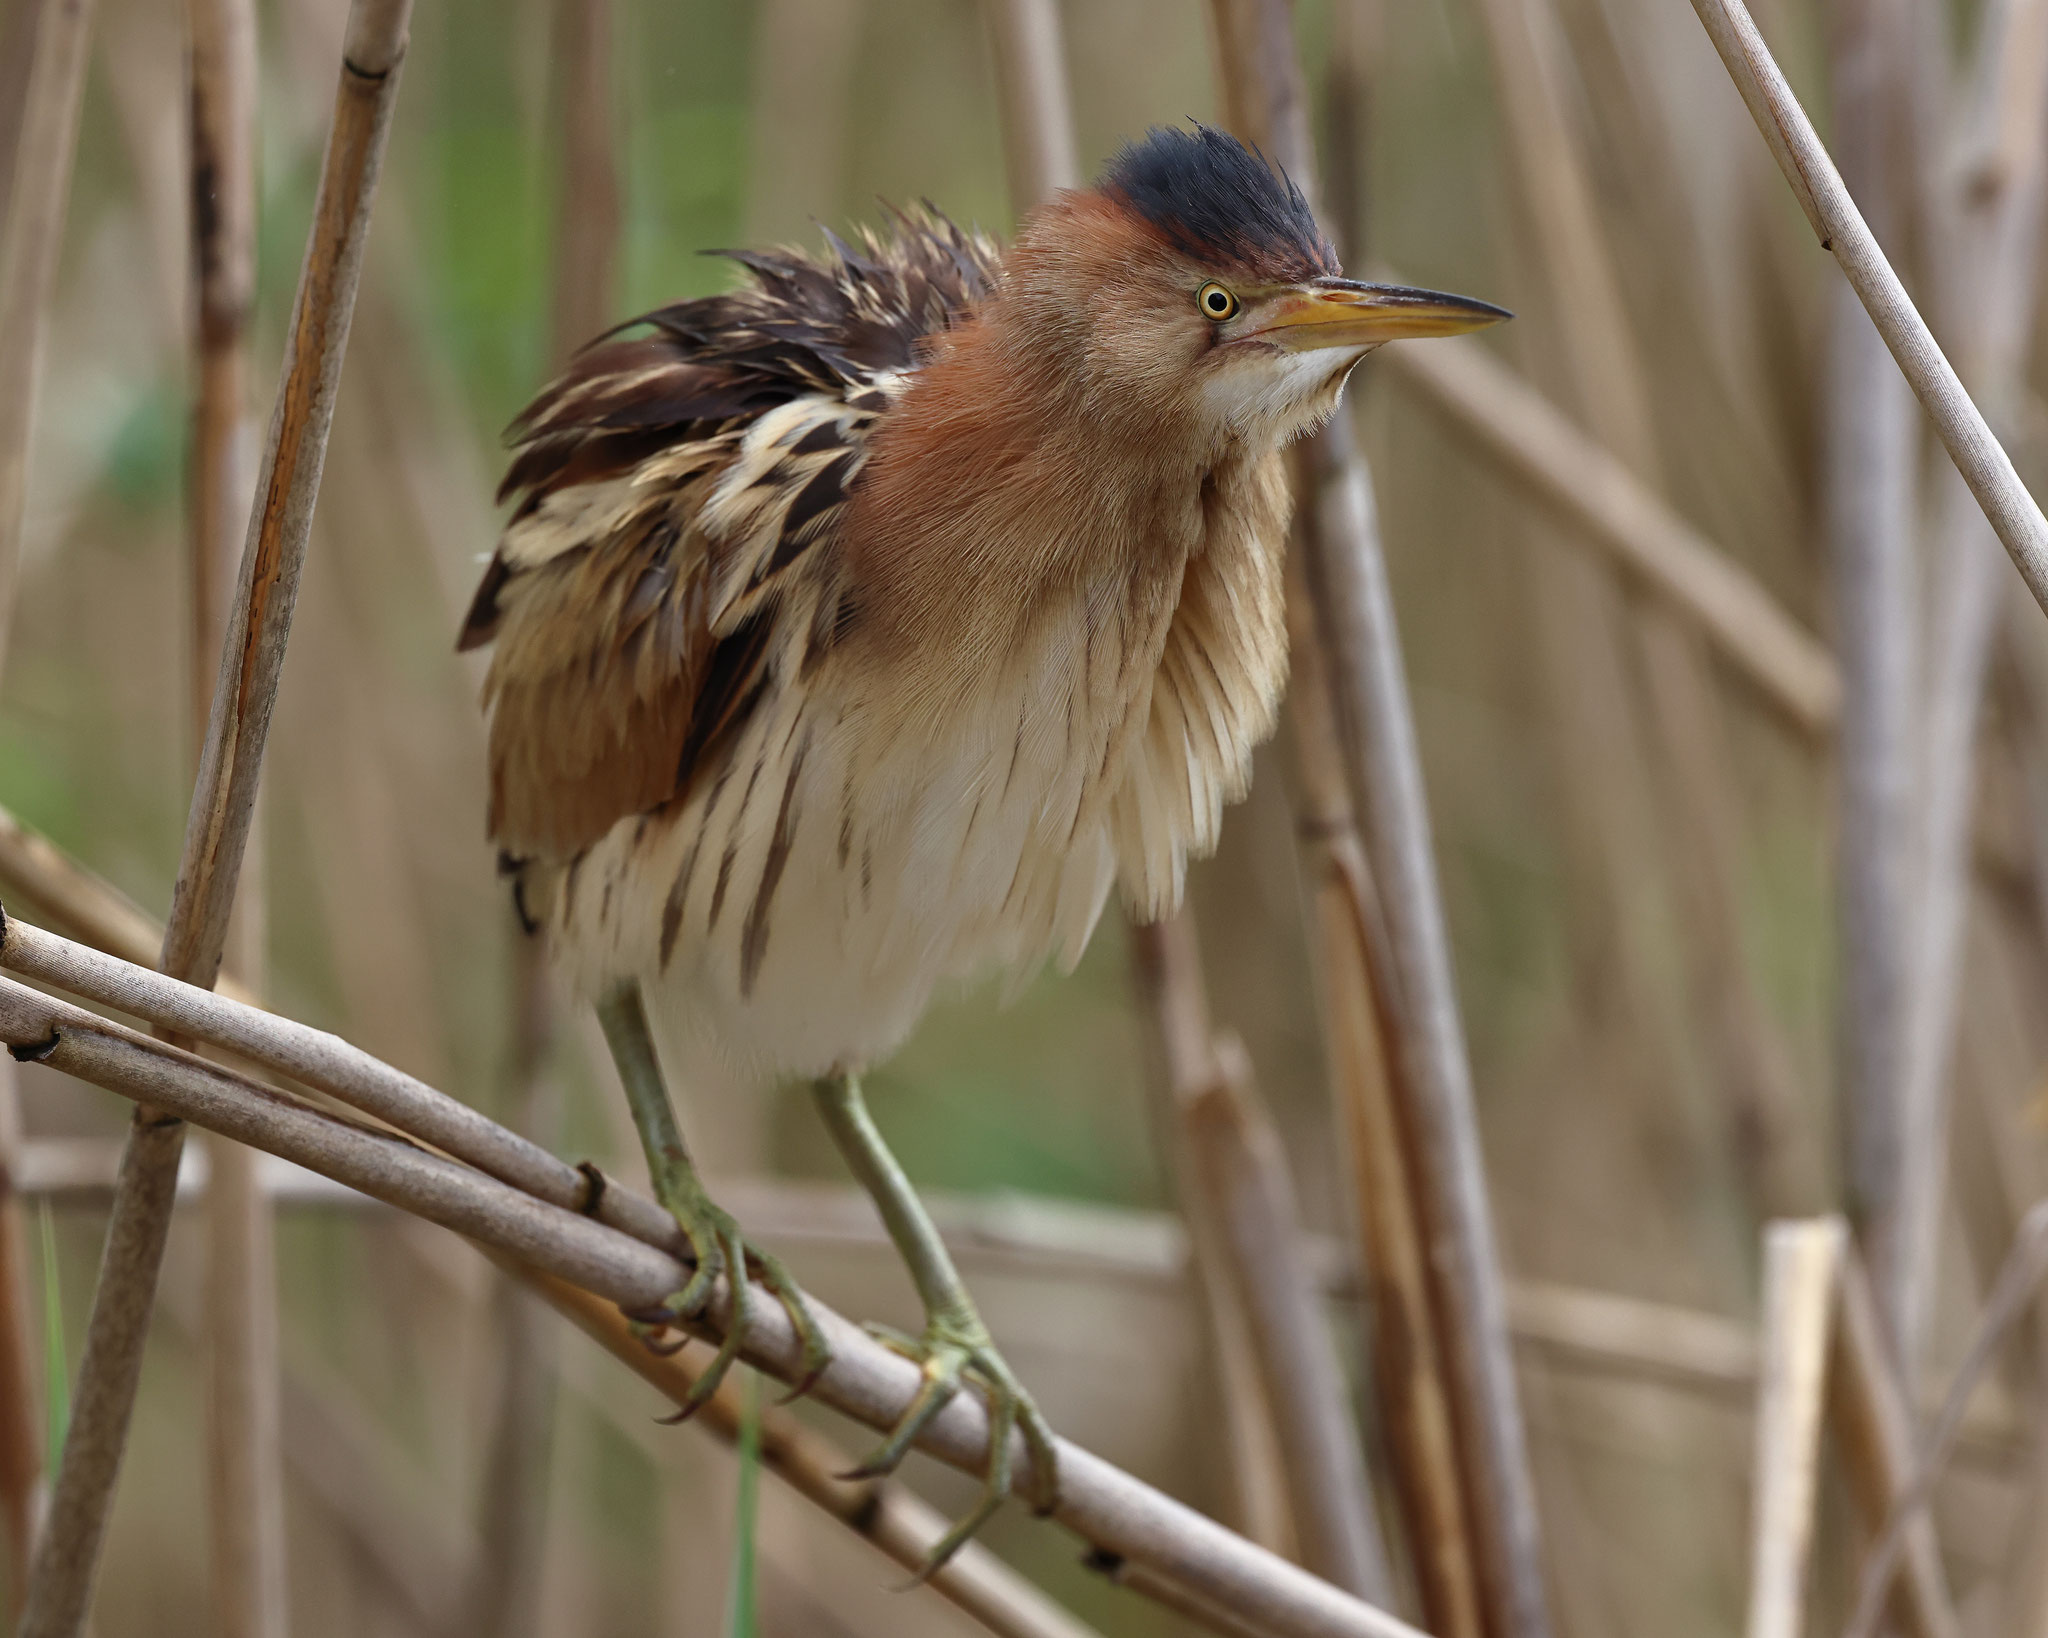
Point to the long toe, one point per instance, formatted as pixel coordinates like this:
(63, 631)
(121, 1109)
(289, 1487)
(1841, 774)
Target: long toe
(733, 1254)
(1002, 1422)
(817, 1351)
(942, 1369)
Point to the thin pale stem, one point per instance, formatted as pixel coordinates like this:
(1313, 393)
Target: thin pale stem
(1978, 455)
(245, 1445)
(1031, 78)
(1108, 1508)
(1802, 1263)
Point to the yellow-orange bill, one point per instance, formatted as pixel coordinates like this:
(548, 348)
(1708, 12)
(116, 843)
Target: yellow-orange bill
(1347, 313)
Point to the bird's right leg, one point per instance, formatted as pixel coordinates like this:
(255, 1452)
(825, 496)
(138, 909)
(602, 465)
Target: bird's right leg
(714, 1236)
(955, 1343)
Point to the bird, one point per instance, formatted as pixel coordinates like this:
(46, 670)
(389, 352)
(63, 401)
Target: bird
(857, 632)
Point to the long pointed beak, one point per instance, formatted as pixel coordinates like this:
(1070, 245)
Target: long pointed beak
(1347, 313)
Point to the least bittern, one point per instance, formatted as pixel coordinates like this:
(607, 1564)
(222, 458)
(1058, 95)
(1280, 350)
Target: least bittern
(856, 631)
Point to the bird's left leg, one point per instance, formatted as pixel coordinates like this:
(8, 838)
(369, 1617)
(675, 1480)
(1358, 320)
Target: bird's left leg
(955, 1343)
(714, 1236)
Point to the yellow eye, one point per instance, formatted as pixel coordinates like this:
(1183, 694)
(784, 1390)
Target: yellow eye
(1215, 301)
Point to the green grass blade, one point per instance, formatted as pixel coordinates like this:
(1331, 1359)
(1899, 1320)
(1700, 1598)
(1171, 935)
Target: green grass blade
(56, 1373)
(742, 1620)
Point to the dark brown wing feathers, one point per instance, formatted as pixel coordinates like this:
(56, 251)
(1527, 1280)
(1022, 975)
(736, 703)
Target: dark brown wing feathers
(620, 675)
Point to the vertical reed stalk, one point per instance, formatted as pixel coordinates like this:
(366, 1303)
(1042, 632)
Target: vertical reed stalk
(1874, 1424)
(1802, 1268)
(1372, 1084)
(1872, 439)
(244, 1434)
(1265, 100)
(21, 1445)
(1031, 79)
(60, 1588)
(1173, 998)
(1239, 1177)
(1986, 270)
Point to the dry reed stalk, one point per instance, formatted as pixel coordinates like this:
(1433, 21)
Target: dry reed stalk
(31, 238)
(804, 55)
(243, 1432)
(1988, 276)
(21, 1439)
(1874, 1423)
(586, 248)
(60, 1587)
(2012, 1294)
(884, 1513)
(1114, 1512)
(1604, 377)
(34, 868)
(1166, 972)
(1172, 1596)
(329, 1065)
(1265, 99)
(1802, 1268)
(1236, 1155)
(1031, 79)
(1600, 501)
(1870, 502)
(1644, 1341)
(1976, 451)
(1354, 611)
(244, 1412)
(1362, 1042)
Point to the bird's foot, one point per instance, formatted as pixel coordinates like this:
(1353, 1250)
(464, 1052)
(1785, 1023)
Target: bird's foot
(721, 1251)
(956, 1348)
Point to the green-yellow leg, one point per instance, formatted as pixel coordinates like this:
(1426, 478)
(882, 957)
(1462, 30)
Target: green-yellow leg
(955, 1345)
(714, 1237)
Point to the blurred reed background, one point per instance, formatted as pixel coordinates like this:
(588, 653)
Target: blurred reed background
(1725, 955)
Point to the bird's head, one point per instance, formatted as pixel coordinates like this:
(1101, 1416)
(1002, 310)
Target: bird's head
(1191, 287)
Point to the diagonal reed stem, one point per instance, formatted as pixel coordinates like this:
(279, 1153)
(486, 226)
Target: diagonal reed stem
(60, 1583)
(1117, 1514)
(2012, 512)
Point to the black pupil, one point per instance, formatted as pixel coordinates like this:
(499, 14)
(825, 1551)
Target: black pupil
(1218, 302)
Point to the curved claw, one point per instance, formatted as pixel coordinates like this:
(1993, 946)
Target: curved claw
(817, 1351)
(732, 1252)
(950, 1353)
(1002, 1421)
(941, 1381)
